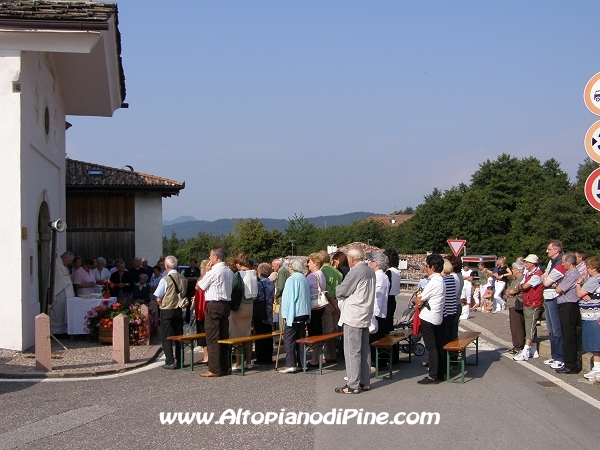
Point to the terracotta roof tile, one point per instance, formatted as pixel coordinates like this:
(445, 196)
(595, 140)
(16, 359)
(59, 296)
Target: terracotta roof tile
(393, 220)
(88, 176)
(56, 10)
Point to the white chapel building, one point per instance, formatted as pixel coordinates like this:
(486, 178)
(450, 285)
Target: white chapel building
(56, 59)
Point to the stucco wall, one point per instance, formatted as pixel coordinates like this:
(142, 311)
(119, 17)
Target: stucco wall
(148, 226)
(34, 171)
(10, 174)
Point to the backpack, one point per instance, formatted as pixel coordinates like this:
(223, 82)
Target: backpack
(259, 307)
(237, 295)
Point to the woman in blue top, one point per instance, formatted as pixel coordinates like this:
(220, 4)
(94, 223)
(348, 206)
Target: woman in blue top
(295, 309)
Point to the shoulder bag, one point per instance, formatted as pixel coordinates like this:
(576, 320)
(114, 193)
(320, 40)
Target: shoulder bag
(319, 300)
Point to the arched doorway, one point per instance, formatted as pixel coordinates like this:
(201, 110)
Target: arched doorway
(43, 254)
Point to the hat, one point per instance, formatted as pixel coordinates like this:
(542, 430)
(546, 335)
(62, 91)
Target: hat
(532, 259)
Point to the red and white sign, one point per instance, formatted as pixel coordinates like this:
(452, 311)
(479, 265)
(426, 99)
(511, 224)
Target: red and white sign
(592, 142)
(591, 94)
(592, 189)
(456, 245)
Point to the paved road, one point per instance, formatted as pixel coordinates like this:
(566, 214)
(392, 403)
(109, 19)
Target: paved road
(503, 404)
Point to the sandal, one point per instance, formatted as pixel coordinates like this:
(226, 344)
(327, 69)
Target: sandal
(364, 387)
(346, 390)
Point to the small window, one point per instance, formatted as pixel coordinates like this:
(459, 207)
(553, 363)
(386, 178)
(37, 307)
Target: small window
(94, 172)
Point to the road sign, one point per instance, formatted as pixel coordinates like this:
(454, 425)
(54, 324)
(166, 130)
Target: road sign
(591, 94)
(592, 189)
(456, 245)
(592, 142)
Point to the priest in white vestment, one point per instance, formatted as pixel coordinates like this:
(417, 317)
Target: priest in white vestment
(63, 289)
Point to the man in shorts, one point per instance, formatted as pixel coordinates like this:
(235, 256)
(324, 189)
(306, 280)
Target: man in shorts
(533, 306)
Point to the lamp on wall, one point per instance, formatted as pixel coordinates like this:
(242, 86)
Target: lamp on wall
(58, 225)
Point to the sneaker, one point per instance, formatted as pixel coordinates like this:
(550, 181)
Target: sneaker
(249, 366)
(557, 365)
(523, 356)
(592, 374)
(236, 368)
(549, 362)
(534, 354)
(288, 370)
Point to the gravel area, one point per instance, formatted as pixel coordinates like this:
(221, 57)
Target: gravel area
(80, 356)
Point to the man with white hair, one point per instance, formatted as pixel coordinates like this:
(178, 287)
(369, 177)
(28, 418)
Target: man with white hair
(171, 318)
(357, 291)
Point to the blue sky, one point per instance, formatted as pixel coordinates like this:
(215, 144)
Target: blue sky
(275, 108)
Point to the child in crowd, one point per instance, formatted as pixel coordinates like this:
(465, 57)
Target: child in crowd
(476, 294)
(487, 303)
(464, 314)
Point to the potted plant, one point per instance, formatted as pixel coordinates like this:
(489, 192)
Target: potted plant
(99, 321)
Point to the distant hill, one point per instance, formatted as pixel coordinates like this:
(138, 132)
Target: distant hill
(191, 228)
(180, 219)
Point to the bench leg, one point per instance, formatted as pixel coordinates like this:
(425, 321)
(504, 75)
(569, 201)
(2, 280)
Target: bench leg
(321, 347)
(305, 349)
(447, 366)
(376, 362)
(192, 355)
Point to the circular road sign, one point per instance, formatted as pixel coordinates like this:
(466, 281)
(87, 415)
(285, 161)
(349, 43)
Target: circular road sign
(592, 141)
(592, 189)
(591, 94)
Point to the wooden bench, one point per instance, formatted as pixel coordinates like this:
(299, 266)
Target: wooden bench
(187, 340)
(318, 341)
(385, 346)
(460, 345)
(240, 343)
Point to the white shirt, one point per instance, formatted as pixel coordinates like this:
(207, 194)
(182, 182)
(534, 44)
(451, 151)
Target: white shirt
(395, 284)
(217, 283)
(434, 293)
(382, 288)
(162, 286)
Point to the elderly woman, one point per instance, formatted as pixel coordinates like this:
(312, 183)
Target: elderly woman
(83, 280)
(514, 301)
(315, 280)
(101, 274)
(141, 290)
(589, 307)
(295, 310)
(431, 313)
(262, 317)
(240, 321)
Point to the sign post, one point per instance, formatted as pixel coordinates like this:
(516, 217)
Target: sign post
(456, 245)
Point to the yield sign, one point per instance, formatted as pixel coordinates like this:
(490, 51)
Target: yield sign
(456, 245)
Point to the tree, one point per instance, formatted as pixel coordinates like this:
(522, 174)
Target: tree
(302, 234)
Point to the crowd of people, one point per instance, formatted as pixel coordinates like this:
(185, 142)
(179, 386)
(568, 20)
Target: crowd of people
(566, 292)
(235, 297)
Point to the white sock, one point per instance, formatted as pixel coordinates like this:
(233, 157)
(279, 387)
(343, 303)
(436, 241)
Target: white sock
(597, 365)
(526, 349)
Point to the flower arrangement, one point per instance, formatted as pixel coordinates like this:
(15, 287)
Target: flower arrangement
(102, 317)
